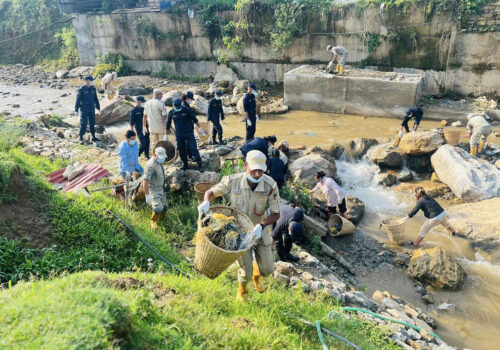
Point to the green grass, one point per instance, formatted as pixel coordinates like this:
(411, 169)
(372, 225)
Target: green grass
(93, 310)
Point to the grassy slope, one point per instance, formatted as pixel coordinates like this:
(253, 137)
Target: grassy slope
(82, 310)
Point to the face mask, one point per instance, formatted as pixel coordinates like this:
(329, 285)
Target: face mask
(91, 83)
(177, 110)
(190, 102)
(161, 160)
(132, 142)
(255, 93)
(217, 97)
(252, 180)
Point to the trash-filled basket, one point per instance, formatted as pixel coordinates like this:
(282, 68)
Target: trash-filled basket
(200, 189)
(339, 226)
(452, 137)
(212, 260)
(395, 229)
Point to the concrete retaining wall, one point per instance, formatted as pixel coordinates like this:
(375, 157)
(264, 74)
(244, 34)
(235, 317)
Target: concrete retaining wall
(306, 89)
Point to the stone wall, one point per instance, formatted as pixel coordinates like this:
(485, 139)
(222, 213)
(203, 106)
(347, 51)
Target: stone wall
(450, 60)
(488, 21)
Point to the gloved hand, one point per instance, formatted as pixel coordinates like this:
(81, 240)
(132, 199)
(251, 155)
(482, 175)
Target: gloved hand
(203, 208)
(145, 131)
(413, 132)
(257, 117)
(249, 123)
(165, 138)
(400, 133)
(257, 231)
(405, 219)
(202, 132)
(149, 199)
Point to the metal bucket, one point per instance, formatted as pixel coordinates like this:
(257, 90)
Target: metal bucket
(339, 226)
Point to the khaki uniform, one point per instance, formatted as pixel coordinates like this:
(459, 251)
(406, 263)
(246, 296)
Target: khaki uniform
(156, 176)
(480, 128)
(106, 85)
(156, 113)
(253, 203)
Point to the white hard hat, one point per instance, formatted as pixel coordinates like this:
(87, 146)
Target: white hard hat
(256, 160)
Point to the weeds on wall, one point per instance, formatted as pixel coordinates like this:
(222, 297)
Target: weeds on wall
(112, 62)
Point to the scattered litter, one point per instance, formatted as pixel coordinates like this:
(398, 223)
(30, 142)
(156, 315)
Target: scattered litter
(221, 231)
(447, 307)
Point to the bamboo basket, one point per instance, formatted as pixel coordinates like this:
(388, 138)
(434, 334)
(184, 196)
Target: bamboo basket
(337, 220)
(208, 131)
(171, 151)
(212, 260)
(394, 228)
(202, 187)
(452, 137)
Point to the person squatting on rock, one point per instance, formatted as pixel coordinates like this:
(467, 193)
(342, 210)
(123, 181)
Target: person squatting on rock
(155, 113)
(250, 109)
(434, 213)
(413, 112)
(87, 102)
(154, 180)
(136, 120)
(335, 196)
(339, 55)
(479, 130)
(287, 230)
(128, 161)
(215, 114)
(251, 192)
(265, 145)
(184, 120)
(276, 168)
(106, 84)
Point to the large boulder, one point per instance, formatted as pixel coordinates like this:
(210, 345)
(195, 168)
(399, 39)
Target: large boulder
(304, 168)
(469, 178)
(62, 74)
(420, 143)
(239, 106)
(275, 107)
(386, 179)
(432, 188)
(355, 209)
(210, 159)
(334, 150)
(436, 267)
(225, 73)
(199, 105)
(242, 85)
(80, 72)
(419, 164)
(169, 97)
(387, 156)
(358, 147)
(132, 89)
(180, 180)
(479, 222)
(112, 112)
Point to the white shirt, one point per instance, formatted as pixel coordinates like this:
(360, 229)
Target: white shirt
(156, 113)
(476, 122)
(332, 191)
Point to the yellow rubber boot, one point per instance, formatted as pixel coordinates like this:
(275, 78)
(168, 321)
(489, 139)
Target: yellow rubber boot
(258, 280)
(481, 146)
(154, 220)
(338, 68)
(473, 151)
(243, 290)
(341, 70)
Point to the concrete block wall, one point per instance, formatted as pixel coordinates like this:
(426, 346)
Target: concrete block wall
(488, 21)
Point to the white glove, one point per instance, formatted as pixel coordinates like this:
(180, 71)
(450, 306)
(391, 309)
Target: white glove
(257, 117)
(413, 132)
(145, 131)
(202, 132)
(149, 199)
(249, 123)
(203, 208)
(257, 231)
(165, 138)
(400, 133)
(405, 219)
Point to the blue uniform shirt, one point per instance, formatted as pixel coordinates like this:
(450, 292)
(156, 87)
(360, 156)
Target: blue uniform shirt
(276, 169)
(416, 112)
(184, 120)
(215, 111)
(287, 215)
(136, 118)
(258, 144)
(249, 105)
(86, 100)
(128, 157)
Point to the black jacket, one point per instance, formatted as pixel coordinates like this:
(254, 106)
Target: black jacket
(249, 105)
(258, 144)
(215, 111)
(287, 215)
(429, 206)
(276, 169)
(136, 118)
(87, 100)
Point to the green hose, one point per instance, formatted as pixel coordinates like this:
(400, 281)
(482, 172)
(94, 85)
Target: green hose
(417, 328)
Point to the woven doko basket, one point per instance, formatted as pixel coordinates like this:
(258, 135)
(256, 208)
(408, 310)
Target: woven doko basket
(211, 260)
(395, 229)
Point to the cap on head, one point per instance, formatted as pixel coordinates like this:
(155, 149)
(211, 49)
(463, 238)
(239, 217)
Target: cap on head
(256, 160)
(89, 77)
(296, 228)
(140, 98)
(160, 152)
(329, 47)
(177, 103)
(253, 86)
(190, 95)
(114, 74)
(218, 92)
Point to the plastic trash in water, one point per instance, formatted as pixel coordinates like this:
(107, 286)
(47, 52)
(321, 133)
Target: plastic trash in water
(311, 134)
(190, 13)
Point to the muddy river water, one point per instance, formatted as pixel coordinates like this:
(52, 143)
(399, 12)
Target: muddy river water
(475, 322)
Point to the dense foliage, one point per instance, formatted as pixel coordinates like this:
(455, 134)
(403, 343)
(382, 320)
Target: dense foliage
(55, 43)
